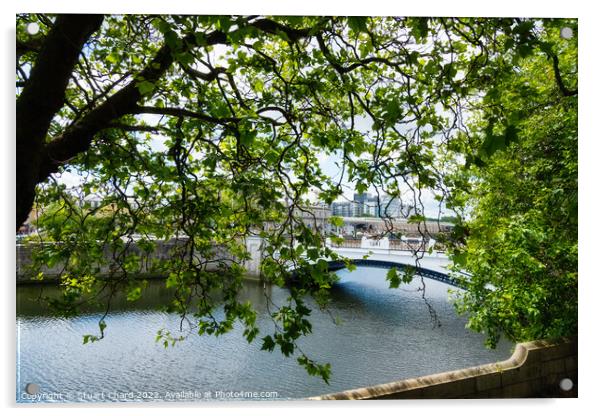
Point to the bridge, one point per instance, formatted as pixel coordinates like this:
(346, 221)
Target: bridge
(375, 253)
(365, 252)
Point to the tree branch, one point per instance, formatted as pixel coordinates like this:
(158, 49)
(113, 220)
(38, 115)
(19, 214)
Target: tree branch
(129, 127)
(181, 112)
(209, 76)
(43, 96)
(78, 137)
(565, 91)
(275, 28)
(360, 63)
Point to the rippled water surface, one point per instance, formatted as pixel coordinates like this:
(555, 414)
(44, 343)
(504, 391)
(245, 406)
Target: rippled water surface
(381, 335)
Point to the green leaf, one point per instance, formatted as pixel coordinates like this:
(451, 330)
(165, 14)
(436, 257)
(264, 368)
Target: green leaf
(113, 57)
(172, 40)
(419, 27)
(460, 258)
(361, 187)
(250, 334)
(408, 274)
(287, 348)
(185, 58)
(268, 343)
(258, 85)
(415, 219)
(313, 254)
(510, 135)
(336, 221)
(247, 137)
(134, 294)
(358, 23)
(224, 23)
(200, 38)
(492, 144)
(145, 87)
(393, 278)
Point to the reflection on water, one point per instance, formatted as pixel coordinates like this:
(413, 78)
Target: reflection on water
(380, 335)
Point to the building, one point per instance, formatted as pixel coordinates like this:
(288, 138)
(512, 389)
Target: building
(342, 209)
(368, 205)
(391, 208)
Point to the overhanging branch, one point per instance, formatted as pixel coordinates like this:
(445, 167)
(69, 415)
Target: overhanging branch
(181, 112)
(78, 137)
(565, 91)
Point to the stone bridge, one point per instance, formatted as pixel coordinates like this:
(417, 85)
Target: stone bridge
(374, 253)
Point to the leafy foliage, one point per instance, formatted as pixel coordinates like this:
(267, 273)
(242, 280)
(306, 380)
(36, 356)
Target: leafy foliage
(201, 131)
(521, 244)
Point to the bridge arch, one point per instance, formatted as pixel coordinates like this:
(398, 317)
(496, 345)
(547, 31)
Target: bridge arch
(384, 264)
(374, 253)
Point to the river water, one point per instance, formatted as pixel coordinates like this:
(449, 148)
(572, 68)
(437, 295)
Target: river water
(371, 335)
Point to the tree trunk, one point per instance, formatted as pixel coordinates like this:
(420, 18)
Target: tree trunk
(42, 97)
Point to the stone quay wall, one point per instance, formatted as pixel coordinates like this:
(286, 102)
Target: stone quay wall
(536, 369)
(162, 251)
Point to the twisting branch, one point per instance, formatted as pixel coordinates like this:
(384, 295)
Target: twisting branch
(205, 76)
(565, 91)
(128, 127)
(181, 112)
(78, 137)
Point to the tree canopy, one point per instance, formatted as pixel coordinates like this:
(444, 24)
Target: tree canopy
(207, 128)
(521, 246)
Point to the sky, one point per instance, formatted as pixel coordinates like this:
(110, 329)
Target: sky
(329, 167)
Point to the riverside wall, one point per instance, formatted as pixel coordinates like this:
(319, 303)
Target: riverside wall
(146, 269)
(536, 369)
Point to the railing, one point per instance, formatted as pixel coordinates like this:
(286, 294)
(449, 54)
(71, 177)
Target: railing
(396, 245)
(355, 243)
(406, 246)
